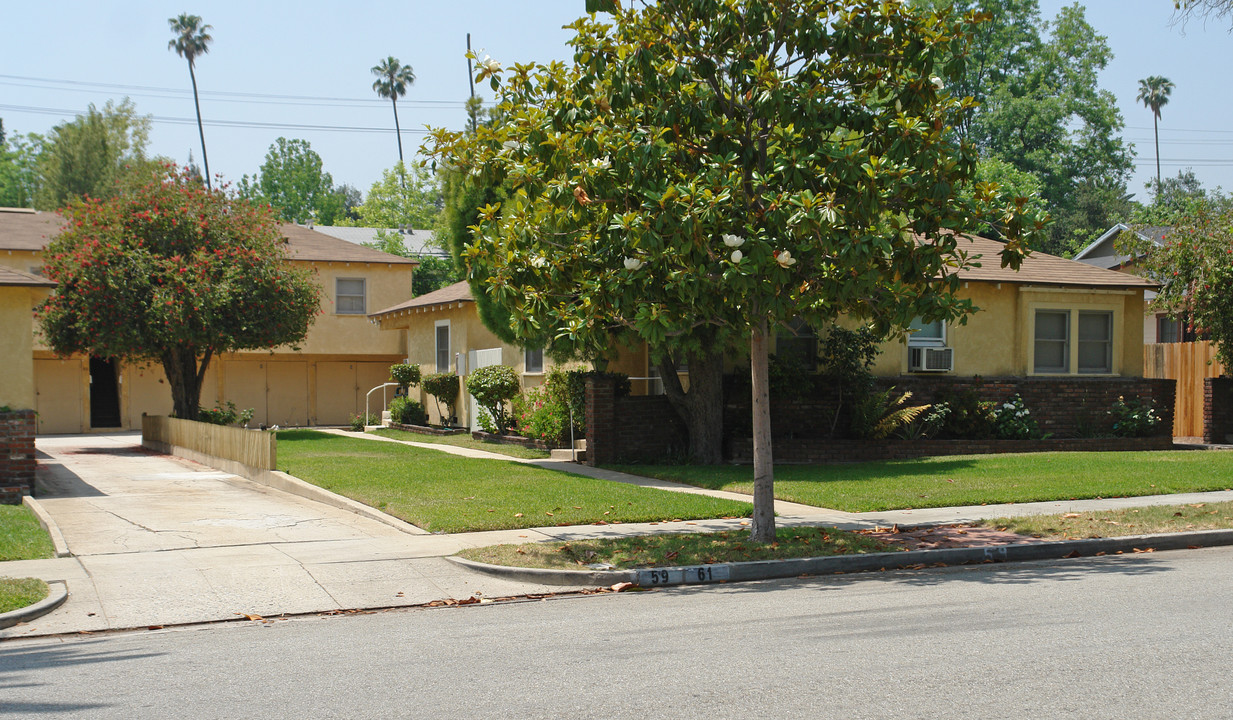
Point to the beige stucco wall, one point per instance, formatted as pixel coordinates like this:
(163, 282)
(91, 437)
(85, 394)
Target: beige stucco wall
(16, 347)
(385, 286)
(997, 340)
(23, 260)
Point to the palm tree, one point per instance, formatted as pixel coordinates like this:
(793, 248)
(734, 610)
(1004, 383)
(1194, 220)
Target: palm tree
(392, 80)
(192, 39)
(1154, 94)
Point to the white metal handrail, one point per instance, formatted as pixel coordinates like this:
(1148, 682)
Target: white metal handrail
(384, 402)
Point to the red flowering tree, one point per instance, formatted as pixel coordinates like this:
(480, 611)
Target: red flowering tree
(173, 273)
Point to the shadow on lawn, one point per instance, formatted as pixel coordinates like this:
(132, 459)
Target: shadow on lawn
(719, 477)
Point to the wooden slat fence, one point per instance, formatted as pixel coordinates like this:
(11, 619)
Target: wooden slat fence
(1188, 364)
(249, 448)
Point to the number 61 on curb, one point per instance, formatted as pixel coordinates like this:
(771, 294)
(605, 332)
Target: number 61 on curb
(684, 576)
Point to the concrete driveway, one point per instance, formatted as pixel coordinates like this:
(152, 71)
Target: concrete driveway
(160, 540)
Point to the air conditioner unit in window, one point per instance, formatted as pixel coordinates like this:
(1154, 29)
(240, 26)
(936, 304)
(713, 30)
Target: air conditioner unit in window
(929, 359)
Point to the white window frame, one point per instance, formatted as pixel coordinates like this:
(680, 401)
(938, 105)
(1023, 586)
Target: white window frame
(339, 295)
(916, 340)
(436, 343)
(527, 355)
(1072, 312)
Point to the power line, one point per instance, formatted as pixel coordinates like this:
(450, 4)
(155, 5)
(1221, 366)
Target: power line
(221, 123)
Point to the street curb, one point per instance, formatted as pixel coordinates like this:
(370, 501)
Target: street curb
(838, 564)
(57, 537)
(57, 593)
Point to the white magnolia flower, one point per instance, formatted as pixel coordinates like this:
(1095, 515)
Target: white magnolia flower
(733, 241)
(601, 163)
(937, 82)
(510, 144)
(632, 263)
(898, 106)
(785, 259)
(490, 65)
(539, 261)
(737, 255)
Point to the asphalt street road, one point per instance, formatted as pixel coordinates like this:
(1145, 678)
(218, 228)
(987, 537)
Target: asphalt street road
(1142, 636)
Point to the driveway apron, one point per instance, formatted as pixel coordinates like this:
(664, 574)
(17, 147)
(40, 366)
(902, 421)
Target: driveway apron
(159, 540)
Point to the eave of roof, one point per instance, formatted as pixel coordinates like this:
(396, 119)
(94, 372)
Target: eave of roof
(1043, 269)
(10, 277)
(459, 292)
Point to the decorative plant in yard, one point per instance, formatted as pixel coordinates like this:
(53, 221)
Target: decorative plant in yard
(225, 416)
(359, 420)
(405, 411)
(492, 387)
(1012, 420)
(405, 375)
(878, 414)
(544, 412)
(706, 170)
(1134, 418)
(173, 273)
(444, 389)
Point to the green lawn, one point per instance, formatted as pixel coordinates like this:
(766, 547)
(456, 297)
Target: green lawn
(465, 441)
(21, 536)
(447, 493)
(1152, 520)
(970, 479)
(17, 593)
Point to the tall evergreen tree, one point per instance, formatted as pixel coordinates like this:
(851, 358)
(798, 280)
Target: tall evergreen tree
(1154, 93)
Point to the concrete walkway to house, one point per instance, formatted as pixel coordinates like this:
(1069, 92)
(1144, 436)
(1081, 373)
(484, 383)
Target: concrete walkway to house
(157, 540)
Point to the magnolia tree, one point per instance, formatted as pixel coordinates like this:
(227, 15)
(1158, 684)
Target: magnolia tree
(708, 169)
(173, 273)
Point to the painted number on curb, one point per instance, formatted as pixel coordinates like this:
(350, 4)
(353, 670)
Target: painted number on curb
(684, 576)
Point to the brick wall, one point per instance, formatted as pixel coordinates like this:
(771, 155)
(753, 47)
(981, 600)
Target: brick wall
(1217, 409)
(17, 461)
(1071, 410)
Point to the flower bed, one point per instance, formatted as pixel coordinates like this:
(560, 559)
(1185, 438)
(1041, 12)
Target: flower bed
(427, 430)
(510, 440)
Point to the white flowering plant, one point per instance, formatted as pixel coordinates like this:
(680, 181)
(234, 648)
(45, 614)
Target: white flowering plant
(1134, 418)
(1012, 420)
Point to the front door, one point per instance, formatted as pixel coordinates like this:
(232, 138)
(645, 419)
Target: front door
(104, 394)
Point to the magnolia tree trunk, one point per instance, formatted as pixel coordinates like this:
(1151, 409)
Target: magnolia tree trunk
(185, 378)
(762, 529)
(702, 406)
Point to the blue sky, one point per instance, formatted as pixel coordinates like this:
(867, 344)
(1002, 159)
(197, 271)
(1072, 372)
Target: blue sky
(301, 70)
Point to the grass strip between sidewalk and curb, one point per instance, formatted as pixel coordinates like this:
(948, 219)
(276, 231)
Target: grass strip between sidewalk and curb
(21, 536)
(464, 441)
(1151, 520)
(678, 549)
(17, 593)
(448, 493)
(961, 480)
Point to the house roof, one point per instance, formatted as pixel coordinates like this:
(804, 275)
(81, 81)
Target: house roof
(458, 292)
(417, 242)
(1044, 269)
(22, 229)
(1102, 252)
(11, 277)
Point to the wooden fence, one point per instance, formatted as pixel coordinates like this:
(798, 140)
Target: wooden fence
(1188, 364)
(249, 448)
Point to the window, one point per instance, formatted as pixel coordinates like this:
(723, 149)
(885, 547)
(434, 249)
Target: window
(1051, 351)
(797, 345)
(1168, 330)
(533, 360)
(443, 346)
(349, 296)
(1073, 341)
(1095, 342)
(926, 333)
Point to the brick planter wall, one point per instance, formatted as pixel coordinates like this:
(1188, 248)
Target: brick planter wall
(643, 428)
(17, 460)
(426, 430)
(509, 440)
(1217, 409)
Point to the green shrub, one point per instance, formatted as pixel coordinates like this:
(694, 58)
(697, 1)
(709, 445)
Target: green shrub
(877, 415)
(443, 387)
(1136, 418)
(359, 421)
(544, 412)
(405, 375)
(405, 411)
(227, 416)
(1013, 421)
(970, 418)
(492, 387)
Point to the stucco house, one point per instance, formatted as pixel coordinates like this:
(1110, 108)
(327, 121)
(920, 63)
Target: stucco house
(323, 383)
(1053, 318)
(1103, 253)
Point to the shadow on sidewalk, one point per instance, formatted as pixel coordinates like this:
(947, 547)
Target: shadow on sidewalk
(53, 480)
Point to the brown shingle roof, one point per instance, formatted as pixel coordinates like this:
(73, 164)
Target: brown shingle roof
(1043, 269)
(458, 292)
(28, 230)
(11, 277)
(22, 229)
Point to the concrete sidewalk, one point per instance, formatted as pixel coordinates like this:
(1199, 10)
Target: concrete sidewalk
(158, 540)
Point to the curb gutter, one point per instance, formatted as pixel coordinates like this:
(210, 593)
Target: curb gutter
(57, 537)
(57, 593)
(836, 564)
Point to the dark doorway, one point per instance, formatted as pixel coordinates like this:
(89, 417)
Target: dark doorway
(104, 394)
